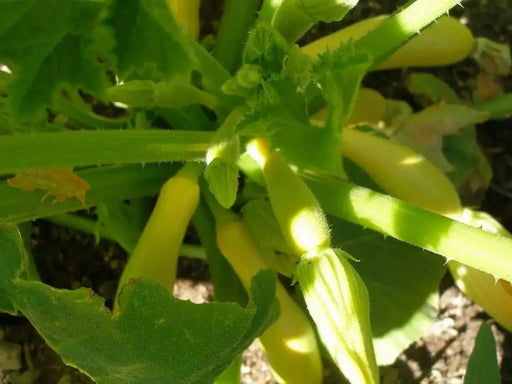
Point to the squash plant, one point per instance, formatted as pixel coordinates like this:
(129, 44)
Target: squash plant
(272, 152)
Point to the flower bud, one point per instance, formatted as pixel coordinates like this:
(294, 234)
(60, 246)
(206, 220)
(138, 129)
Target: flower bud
(337, 299)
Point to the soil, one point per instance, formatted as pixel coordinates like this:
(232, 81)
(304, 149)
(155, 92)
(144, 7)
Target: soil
(70, 259)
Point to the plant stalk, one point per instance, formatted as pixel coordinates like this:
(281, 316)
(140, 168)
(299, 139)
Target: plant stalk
(20, 153)
(392, 217)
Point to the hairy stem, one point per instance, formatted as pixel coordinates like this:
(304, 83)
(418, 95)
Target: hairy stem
(393, 217)
(238, 17)
(396, 30)
(20, 153)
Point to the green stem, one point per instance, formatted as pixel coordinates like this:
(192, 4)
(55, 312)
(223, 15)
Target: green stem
(226, 285)
(290, 21)
(188, 118)
(148, 94)
(111, 183)
(193, 251)
(238, 17)
(499, 107)
(20, 152)
(82, 224)
(213, 73)
(293, 18)
(269, 10)
(392, 217)
(91, 227)
(87, 118)
(397, 29)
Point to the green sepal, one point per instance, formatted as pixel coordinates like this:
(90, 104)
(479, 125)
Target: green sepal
(222, 178)
(221, 158)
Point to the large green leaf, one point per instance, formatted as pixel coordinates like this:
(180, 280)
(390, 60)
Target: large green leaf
(402, 282)
(49, 44)
(149, 43)
(155, 338)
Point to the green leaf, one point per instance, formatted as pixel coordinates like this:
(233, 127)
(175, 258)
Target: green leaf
(149, 43)
(424, 131)
(339, 74)
(492, 57)
(27, 124)
(279, 114)
(483, 362)
(111, 183)
(50, 45)
(471, 172)
(266, 48)
(155, 337)
(402, 282)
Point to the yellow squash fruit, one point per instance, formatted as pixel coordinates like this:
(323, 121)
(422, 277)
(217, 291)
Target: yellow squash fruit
(444, 42)
(156, 254)
(290, 343)
(493, 295)
(186, 13)
(401, 171)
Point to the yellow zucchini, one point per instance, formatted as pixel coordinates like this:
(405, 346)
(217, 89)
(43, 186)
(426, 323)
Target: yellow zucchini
(290, 342)
(186, 13)
(369, 108)
(297, 211)
(494, 296)
(156, 254)
(445, 42)
(401, 172)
